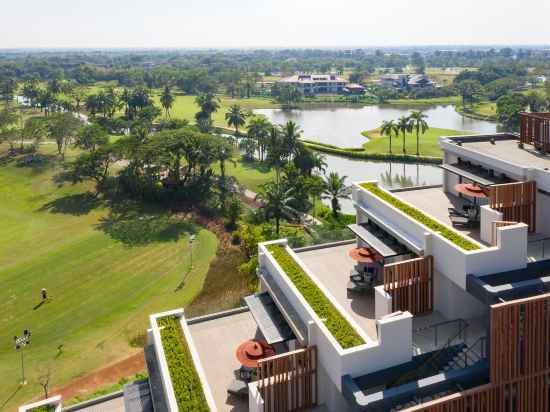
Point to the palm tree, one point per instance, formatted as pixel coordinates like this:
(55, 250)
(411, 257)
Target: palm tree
(388, 128)
(404, 125)
(419, 124)
(336, 189)
(291, 134)
(277, 199)
(167, 100)
(235, 117)
(258, 129)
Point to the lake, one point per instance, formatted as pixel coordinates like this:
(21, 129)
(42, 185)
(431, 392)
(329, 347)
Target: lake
(342, 126)
(391, 175)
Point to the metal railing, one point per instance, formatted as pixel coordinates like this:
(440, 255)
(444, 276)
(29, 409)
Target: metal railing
(436, 331)
(538, 249)
(471, 356)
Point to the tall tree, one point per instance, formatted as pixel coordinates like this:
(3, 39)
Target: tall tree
(8, 86)
(208, 104)
(235, 117)
(389, 128)
(336, 189)
(404, 125)
(167, 100)
(277, 199)
(33, 131)
(63, 128)
(291, 134)
(420, 126)
(258, 130)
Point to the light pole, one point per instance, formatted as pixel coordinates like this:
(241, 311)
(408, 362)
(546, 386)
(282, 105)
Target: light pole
(20, 343)
(191, 240)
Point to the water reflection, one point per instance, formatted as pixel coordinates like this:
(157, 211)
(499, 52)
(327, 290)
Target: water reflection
(342, 126)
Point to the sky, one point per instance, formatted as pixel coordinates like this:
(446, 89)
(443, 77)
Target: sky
(275, 23)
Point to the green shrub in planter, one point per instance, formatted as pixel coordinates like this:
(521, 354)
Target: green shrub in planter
(417, 215)
(185, 379)
(337, 325)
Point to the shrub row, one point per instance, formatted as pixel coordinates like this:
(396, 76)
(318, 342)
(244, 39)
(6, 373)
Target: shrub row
(43, 408)
(354, 153)
(185, 379)
(338, 326)
(416, 214)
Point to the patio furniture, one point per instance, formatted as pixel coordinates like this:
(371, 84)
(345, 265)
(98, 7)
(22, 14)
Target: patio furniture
(471, 190)
(238, 388)
(245, 374)
(461, 221)
(250, 352)
(365, 255)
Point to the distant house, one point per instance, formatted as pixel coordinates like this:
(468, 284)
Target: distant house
(405, 81)
(311, 84)
(354, 88)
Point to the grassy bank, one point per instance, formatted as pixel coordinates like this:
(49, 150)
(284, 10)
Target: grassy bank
(105, 272)
(480, 111)
(426, 102)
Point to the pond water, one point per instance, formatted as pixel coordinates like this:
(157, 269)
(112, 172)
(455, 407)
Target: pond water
(390, 174)
(342, 126)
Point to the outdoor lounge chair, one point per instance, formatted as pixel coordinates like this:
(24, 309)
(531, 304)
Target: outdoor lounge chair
(460, 221)
(238, 388)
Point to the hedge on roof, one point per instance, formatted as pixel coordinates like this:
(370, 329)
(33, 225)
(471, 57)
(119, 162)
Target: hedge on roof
(416, 214)
(185, 379)
(338, 326)
(43, 408)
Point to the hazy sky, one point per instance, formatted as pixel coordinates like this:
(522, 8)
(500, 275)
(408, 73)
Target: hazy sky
(276, 23)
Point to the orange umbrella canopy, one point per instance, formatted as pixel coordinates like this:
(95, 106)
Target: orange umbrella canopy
(252, 351)
(364, 255)
(470, 189)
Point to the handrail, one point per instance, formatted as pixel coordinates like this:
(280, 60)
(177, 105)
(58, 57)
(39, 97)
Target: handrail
(436, 327)
(463, 325)
(482, 342)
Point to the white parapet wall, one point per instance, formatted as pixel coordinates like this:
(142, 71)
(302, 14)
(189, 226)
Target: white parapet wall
(509, 253)
(382, 302)
(54, 401)
(393, 346)
(487, 217)
(168, 388)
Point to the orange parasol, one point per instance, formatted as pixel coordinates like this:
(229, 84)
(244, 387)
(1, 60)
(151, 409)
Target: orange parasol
(364, 255)
(470, 189)
(252, 351)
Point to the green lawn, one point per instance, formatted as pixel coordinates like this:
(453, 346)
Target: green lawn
(249, 174)
(429, 142)
(105, 273)
(185, 107)
(420, 102)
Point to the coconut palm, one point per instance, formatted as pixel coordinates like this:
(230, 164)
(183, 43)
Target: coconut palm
(167, 100)
(291, 134)
(389, 128)
(336, 189)
(258, 129)
(277, 200)
(404, 125)
(419, 124)
(235, 117)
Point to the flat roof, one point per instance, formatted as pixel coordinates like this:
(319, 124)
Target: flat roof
(508, 151)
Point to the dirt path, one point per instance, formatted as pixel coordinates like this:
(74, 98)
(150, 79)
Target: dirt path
(103, 377)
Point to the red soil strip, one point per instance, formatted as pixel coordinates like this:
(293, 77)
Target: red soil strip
(103, 377)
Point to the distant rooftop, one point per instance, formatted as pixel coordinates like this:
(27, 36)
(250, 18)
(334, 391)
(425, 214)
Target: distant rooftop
(505, 147)
(313, 78)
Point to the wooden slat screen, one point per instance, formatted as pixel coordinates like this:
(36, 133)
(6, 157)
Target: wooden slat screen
(288, 382)
(535, 130)
(496, 225)
(516, 201)
(520, 363)
(410, 284)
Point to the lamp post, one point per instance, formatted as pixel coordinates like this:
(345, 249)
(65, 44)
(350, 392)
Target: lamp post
(191, 240)
(20, 343)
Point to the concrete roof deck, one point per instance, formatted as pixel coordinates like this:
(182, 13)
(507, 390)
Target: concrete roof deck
(436, 203)
(508, 151)
(216, 342)
(332, 268)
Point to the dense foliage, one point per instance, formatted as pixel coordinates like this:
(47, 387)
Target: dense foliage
(43, 408)
(416, 214)
(338, 326)
(185, 379)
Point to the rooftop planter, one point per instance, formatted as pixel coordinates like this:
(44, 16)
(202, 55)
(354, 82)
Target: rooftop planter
(186, 383)
(334, 321)
(443, 230)
(52, 404)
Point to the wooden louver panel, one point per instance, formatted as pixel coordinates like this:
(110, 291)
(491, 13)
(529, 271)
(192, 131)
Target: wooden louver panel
(516, 201)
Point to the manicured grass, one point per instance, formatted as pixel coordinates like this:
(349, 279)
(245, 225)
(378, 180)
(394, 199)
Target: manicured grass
(249, 174)
(429, 142)
(106, 390)
(342, 331)
(421, 102)
(185, 107)
(185, 379)
(105, 273)
(417, 215)
(485, 110)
